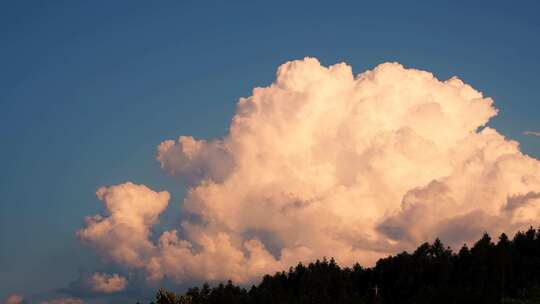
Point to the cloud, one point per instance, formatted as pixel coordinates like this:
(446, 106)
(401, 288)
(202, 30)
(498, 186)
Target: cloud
(194, 159)
(112, 287)
(326, 163)
(106, 283)
(18, 299)
(15, 299)
(124, 233)
(64, 301)
(533, 133)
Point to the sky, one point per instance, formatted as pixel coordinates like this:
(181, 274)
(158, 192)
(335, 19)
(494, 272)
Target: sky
(88, 90)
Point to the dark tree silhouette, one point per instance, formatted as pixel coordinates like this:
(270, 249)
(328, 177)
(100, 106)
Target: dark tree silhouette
(505, 272)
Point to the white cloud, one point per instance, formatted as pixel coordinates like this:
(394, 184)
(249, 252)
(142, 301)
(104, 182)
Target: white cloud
(102, 282)
(124, 233)
(194, 159)
(325, 163)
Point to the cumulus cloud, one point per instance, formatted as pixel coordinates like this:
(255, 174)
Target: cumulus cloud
(533, 133)
(326, 163)
(14, 299)
(194, 159)
(124, 232)
(102, 282)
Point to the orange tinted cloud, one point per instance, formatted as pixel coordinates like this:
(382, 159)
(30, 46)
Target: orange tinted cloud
(102, 282)
(326, 163)
(14, 299)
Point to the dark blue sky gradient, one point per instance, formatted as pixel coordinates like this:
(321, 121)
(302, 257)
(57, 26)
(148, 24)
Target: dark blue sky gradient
(89, 88)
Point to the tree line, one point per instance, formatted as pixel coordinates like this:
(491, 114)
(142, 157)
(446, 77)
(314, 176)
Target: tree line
(505, 271)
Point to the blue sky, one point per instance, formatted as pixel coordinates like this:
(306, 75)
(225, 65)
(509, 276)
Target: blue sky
(89, 88)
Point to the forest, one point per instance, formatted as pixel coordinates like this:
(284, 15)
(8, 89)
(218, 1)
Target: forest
(491, 271)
